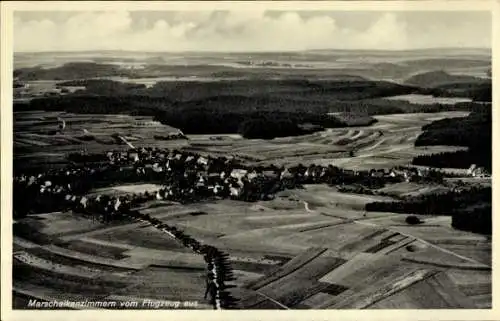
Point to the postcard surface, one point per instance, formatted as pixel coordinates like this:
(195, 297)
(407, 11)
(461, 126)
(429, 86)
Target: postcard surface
(295, 160)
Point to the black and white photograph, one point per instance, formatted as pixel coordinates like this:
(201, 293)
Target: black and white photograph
(257, 159)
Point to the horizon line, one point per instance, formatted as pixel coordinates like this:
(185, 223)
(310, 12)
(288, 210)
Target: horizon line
(249, 51)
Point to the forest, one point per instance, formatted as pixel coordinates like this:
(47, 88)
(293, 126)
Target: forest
(458, 159)
(475, 219)
(473, 132)
(435, 203)
(254, 108)
(470, 209)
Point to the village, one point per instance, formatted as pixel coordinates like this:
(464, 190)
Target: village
(186, 175)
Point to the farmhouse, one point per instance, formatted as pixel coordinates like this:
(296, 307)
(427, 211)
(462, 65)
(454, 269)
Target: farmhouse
(478, 172)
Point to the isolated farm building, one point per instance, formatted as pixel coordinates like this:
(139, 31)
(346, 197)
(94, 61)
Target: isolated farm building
(471, 169)
(476, 171)
(133, 156)
(479, 172)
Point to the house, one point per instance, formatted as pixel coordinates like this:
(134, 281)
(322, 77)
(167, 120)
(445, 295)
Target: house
(421, 172)
(157, 168)
(234, 192)
(471, 170)
(269, 173)
(286, 174)
(200, 182)
(218, 189)
(84, 201)
(238, 173)
(479, 172)
(133, 156)
(202, 160)
(252, 175)
(377, 173)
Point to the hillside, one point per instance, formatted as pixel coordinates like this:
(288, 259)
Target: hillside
(439, 78)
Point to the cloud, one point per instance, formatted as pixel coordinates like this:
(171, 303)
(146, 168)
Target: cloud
(236, 31)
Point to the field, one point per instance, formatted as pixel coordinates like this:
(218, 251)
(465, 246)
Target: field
(428, 99)
(387, 143)
(310, 248)
(313, 246)
(285, 254)
(126, 189)
(34, 132)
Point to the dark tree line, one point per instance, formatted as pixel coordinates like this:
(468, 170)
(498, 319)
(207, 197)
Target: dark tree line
(474, 219)
(470, 209)
(93, 104)
(435, 204)
(458, 159)
(473, 131)
(250, 124)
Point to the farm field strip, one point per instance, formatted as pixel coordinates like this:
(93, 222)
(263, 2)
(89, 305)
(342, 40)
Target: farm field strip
(359, 261)
(102, 230)
(44, 294)
(429, 244)
(442, 284)
(43, 264)
(107, 243)
(24, 243)
(72, 284)
(146, 254)
(366, 241)
(360, 296)
(91, 258)
(294, 287)
(145, 237)
(427, 292)
(291, 266)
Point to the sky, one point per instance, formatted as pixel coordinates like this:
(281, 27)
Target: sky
(235, 31)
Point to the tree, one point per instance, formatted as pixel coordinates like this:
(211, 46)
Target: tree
(412, 220)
